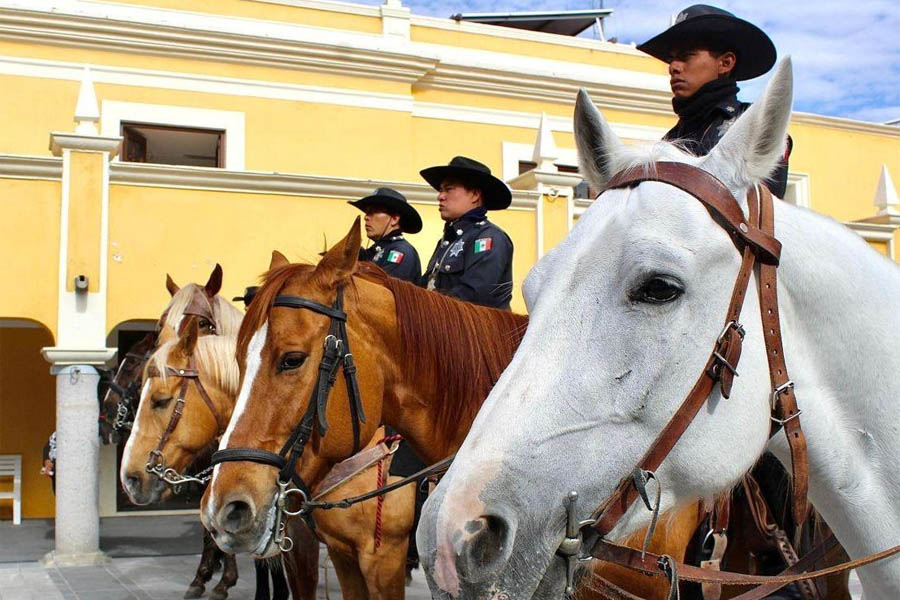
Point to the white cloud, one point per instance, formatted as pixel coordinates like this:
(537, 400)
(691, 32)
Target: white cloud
(846, 55)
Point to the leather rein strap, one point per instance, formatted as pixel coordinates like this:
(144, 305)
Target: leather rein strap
(754, 238)
(336, 355)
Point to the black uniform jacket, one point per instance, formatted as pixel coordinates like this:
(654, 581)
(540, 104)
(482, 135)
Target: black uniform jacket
(700, 138)
(396, 256)
(472, 262)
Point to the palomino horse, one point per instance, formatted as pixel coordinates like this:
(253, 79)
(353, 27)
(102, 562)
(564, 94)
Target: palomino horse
(213, 315)
(624, 313)
(426, 361)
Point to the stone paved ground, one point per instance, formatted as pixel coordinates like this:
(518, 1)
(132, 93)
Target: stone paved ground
(160, 577)
(145, 578)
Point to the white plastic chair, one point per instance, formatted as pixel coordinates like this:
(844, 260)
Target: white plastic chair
(11, 466)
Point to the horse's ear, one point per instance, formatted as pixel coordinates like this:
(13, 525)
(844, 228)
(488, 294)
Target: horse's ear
(187, 340)
(214, 285)
(596, 142)
(171, 285)
(340, 262)
(278, 260)
(752, 147)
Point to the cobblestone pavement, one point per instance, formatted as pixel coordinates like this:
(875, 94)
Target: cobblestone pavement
(160, 577)
(147, 578)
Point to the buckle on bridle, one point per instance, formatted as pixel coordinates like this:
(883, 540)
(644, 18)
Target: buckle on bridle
(731, 325)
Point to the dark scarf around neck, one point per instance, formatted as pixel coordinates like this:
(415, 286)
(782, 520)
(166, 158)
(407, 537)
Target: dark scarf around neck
(701, 105)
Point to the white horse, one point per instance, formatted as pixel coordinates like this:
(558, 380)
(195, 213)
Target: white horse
(624, 313)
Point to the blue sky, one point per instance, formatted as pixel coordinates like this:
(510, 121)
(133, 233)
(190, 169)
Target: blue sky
(846, 54)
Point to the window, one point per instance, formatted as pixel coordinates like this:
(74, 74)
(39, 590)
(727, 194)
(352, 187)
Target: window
(167, 145)
(155, 132)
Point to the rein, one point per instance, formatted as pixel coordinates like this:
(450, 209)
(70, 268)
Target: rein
(336, 355)
(156, 463)
(754, 239)
(128, 395)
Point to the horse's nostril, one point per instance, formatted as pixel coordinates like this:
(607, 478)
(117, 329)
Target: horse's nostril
(237, 516)
(485, 547)
(133, 481)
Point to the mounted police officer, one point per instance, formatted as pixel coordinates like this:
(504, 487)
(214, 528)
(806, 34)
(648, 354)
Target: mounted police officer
(473, 259)
(708, 50)
(388, 217)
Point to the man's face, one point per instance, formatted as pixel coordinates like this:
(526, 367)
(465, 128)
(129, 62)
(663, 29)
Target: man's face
(454, 200)
(691, 66)
(379, 223)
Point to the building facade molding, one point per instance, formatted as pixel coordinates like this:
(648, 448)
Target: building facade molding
(17, 166)
(149, 30)
(61, 141)
(258, 182)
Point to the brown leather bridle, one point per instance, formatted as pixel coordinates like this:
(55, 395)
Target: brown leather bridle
(156, 463)
(755, 240)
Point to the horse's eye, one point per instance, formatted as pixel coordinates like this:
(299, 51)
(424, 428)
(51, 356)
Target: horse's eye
(161, 402)
(659, 289)
(290, 361)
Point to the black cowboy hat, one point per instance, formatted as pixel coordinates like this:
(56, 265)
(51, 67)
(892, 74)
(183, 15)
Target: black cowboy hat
(495, 193)
(394, 202)
(247, 298)
(754, 50)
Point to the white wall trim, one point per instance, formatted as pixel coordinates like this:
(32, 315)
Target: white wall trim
(133, 28)
(257, 182)
(364, 10)
(16, 166)
(798, 190)
(112, 113)
(875, 232)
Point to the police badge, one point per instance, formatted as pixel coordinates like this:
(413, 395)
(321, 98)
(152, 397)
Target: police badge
(456, 248)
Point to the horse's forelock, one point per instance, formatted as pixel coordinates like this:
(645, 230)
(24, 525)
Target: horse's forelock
(214, 357)
(258, 311)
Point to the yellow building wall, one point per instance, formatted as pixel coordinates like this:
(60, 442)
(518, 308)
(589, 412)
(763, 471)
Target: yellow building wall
(270, 11)
(27, 414)
(844, 168)
(155, 231)
(29, 245)
(546, 50)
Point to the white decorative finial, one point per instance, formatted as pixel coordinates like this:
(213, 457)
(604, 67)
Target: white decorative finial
(886, 195)
(87, 114)
(393, 3)
(545, 152)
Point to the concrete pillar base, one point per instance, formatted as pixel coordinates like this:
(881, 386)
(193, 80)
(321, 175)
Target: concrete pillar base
(80, 559)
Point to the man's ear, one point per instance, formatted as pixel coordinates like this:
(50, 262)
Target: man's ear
(727, 62)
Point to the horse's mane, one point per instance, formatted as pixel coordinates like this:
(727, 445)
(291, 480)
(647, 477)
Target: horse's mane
(214, 359)
(228, 317)
(456, 348)
(459, 349)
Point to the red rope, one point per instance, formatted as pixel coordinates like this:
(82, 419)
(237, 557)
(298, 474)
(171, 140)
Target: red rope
(385, 440)
(378, 484)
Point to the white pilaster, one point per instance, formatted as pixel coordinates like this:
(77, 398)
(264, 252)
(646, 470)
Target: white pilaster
(395, 20)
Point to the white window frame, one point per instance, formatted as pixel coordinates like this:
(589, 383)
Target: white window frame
(114, 112)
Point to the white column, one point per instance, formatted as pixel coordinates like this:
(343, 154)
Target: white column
(78, 448)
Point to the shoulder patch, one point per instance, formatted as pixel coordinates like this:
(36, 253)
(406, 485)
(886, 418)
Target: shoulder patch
(482, 245)
(395, 257)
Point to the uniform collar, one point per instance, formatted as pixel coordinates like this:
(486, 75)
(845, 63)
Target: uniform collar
(473, 218)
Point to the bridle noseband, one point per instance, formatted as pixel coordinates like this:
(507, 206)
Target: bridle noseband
(336, 355)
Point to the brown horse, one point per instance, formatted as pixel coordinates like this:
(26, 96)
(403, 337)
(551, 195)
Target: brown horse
(425, 364)
(212, 314)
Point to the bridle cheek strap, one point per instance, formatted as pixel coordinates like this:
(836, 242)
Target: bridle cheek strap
(721, 368)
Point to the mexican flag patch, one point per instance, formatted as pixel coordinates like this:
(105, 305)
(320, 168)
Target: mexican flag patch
(482, 245)
(395, 257)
